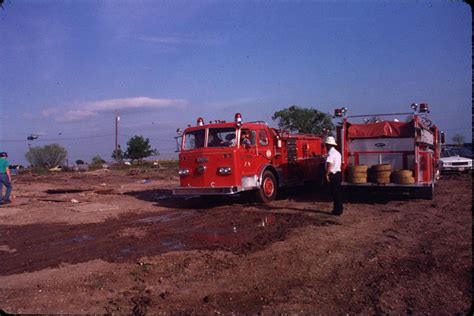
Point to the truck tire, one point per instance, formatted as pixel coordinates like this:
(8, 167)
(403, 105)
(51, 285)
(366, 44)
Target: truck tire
(382, 167)
(268, 189)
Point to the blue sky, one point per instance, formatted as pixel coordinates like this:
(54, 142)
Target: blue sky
(67, 66)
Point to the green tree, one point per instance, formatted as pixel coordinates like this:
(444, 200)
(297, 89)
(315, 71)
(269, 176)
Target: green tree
(458, 139)
(47, 156)
(304, 120)
(139, 148)
(97, 160)
(79, 162)
(118, 154)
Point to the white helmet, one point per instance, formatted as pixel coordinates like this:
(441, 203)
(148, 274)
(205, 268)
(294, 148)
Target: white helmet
(330, 141)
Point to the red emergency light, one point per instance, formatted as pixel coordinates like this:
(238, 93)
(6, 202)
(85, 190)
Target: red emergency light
(200, 121)
(424, 108)
(340, 112)
(238, 119)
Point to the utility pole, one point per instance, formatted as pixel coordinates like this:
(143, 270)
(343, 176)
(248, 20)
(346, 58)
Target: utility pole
(30, 138)
(117, 119)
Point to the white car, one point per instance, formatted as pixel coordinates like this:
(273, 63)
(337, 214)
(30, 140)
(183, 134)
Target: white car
(56, 169)
(450, 161)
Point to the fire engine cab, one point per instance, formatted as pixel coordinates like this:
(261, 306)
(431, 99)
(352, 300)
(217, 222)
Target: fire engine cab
(223, 158)
(380, 151)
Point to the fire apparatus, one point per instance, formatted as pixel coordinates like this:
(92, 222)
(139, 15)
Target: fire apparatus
(389, 153)
(224, 158)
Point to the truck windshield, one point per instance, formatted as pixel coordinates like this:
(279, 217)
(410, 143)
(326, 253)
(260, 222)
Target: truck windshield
(221, 137)
(194, 139)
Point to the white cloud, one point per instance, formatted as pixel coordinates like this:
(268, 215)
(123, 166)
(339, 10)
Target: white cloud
(48, 112)
(94, 108)
(75, 115)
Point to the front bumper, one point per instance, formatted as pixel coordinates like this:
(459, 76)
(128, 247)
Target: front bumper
(187, 191)
(456, 168)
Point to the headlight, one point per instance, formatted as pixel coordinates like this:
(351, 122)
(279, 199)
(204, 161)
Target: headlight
(224, 170)
(183, 172)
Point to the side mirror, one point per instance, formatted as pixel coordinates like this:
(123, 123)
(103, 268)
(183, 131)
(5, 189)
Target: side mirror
(179, 140)
(443, 137)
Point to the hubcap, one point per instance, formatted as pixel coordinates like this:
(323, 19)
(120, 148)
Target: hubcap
(268, 187)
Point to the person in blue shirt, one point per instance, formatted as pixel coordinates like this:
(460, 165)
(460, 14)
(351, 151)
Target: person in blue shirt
(5, 179)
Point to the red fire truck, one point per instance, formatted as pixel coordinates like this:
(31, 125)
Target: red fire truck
(407, 151)
(222, 158)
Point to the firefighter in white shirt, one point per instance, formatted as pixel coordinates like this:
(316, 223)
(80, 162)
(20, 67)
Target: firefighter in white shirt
(334, 175)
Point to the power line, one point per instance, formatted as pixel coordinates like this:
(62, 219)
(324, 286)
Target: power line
(54, 139)
(153, 138)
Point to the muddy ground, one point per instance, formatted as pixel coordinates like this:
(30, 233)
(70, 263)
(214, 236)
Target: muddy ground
(118, 242)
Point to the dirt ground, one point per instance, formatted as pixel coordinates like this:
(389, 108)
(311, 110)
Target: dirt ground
(118, 242)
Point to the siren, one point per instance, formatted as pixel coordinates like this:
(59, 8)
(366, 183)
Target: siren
(238, 119)
(424, 108)
(414, 106)
(200, 121)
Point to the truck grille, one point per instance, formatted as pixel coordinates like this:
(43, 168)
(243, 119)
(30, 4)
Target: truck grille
(460, 163)
(291, 148)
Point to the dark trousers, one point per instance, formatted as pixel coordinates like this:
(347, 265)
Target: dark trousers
(5, 182)
(335, 180)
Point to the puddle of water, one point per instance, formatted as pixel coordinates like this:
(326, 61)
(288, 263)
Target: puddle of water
(268, 220)
(105, 191)
(173, 244)
(82, 238)
(156, 219)
(218, 235)
(163, 218)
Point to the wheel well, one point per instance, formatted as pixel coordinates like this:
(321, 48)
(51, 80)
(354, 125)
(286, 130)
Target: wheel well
(272, 170)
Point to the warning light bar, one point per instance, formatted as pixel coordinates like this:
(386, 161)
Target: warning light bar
(424, 108)
(340, 112)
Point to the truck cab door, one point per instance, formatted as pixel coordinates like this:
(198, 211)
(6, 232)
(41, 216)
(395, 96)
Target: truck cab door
(248, 153)
(265, 150)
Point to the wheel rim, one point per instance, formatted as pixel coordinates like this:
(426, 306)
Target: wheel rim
(268, 187)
